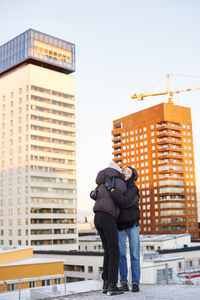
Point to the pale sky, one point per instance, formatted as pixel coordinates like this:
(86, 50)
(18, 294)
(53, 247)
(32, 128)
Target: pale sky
(122, 47)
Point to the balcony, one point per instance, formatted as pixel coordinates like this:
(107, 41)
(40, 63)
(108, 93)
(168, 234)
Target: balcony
(172, 198)
(170, 205)
(117, 155)
(116, 136)
(168, 133)
(117, 151)
(117, 143)
(169, 140)
(170, 154)
(175, 212)
(171, 182)
(169, 146)
(170, 161)
(118, 161)
(172, 190)
(170, 167)
(168, 125)
(171, 175)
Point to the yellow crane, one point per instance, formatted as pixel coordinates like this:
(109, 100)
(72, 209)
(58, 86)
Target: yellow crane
(168, 92)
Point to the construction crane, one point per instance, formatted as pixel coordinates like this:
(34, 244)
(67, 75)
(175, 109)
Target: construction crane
(168, 92)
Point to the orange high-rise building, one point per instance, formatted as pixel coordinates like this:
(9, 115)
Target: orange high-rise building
(158, 142)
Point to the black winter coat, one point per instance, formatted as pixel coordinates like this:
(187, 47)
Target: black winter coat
(129, 208)
(104, 201)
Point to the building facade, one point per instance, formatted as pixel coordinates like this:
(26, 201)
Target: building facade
(81, 266)
(38, 143)
(158, 142)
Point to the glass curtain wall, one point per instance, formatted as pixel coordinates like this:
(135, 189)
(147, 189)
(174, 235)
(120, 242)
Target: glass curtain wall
(40, 46)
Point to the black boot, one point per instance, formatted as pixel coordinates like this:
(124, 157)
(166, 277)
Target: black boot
(105, 286)
(113, 289)
(135, 288)
(125, 287)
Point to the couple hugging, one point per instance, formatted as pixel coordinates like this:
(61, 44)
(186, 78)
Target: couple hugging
(117, 215)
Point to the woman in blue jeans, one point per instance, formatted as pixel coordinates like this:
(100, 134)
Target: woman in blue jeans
(128, 225)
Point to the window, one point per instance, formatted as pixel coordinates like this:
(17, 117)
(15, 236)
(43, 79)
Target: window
(31, 284)
(57, 281)
(46, 282)
(10, 287)
(90, 269)
(43, 282)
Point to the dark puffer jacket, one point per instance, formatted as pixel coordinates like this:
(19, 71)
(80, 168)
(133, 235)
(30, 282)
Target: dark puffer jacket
(129, 208)
(104, 201)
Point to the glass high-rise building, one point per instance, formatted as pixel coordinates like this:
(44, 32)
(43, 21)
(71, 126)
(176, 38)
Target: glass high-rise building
(38, 143)
(158, 142)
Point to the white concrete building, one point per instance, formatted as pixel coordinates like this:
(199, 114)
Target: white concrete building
(148, 242)
(164, 241)
(90, 243)
(88, 265)
(38, 143)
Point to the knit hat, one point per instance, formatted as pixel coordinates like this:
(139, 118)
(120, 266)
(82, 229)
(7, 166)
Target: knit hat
(115, 166)
(134, 173)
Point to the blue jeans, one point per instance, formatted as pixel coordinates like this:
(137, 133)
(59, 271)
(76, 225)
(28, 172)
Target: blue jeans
(134, 246)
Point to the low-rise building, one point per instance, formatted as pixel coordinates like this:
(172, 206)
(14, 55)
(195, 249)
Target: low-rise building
(88, 265)
(18, 268)
(148, 242)
(164, 258)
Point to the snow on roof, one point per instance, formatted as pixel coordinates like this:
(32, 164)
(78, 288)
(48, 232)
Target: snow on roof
(32, 261)
(167, 258)
(89, 238)
(143, 237)
(161, 237)
(4, 249)
(92, 290)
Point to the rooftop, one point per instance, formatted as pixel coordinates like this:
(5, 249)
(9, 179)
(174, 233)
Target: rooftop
(91, 290)
(31, 261)
(161, 237)
(143, 237)
(38, 48)
(4, 249)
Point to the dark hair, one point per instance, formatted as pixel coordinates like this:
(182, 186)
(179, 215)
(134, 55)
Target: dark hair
(134, 176)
